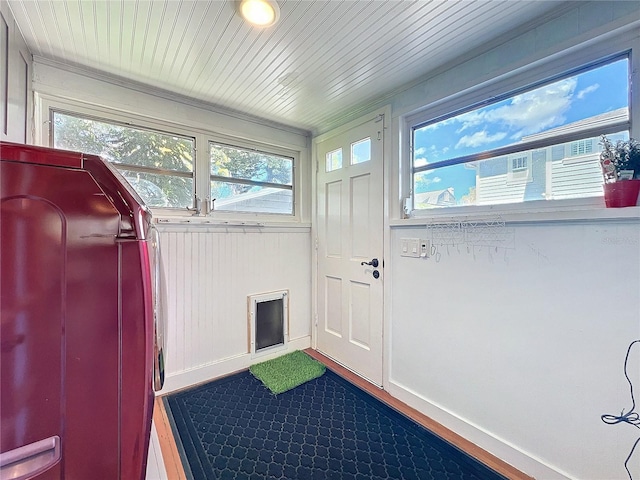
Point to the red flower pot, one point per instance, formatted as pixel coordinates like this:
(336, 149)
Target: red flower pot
(621, 194)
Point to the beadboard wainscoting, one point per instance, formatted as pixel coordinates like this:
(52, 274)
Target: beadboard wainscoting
(210, 271)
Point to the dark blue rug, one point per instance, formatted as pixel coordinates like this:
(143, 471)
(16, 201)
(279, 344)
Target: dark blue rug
(235, 428)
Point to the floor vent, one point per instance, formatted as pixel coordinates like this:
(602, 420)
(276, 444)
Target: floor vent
(268, 321)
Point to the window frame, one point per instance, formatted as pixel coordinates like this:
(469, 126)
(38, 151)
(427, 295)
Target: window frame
(521, 174)
(262, 148)
(47, 103)
(550, 69)
(132, 167)
(578, 144)
(328, 156)
(525, 147)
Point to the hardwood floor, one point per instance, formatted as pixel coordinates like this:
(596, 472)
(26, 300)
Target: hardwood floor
(175, 471)
(170, 455)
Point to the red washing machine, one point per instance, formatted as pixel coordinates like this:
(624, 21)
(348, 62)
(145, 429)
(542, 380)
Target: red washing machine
(82, 326)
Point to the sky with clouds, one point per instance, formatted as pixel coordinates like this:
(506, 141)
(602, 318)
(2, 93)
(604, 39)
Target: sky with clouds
(566, 101)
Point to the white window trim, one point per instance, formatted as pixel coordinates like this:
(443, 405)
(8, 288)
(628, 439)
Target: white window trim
(535, 212)
(45, 103)
(330, 155)
(132, 167)
(519, 175)
(576, 159)
(571, 59)
(252, 145)
(584, 142)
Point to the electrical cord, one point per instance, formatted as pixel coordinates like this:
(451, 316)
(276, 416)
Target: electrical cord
(631, 417)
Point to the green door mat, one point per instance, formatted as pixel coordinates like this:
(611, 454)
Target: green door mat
(288, 371)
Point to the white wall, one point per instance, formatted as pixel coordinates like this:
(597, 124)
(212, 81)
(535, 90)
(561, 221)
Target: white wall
(521, 349)
(522, 336)
(583, 23)
(210, 272)
(210, 269)
(15, 70)
(53, 82)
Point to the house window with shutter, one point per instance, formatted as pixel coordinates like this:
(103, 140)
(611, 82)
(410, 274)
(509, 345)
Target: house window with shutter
(519, 169)
(581, 147)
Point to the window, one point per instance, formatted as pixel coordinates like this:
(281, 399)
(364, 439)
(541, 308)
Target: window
(169, 172)
(361, 151)
(518, 163)
(519, 170)
(244, 180)
(517, 147)
(158, 165)
(581, 147)
(334, 160)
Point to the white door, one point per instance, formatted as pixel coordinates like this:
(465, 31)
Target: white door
(350, 236)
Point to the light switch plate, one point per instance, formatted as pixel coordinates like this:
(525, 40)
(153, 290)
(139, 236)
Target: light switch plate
(410, 247)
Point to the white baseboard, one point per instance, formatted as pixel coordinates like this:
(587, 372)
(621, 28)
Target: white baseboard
(485, 440)
(205, 373)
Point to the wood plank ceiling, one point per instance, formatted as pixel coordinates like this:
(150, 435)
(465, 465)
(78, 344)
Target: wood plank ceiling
(323, 59)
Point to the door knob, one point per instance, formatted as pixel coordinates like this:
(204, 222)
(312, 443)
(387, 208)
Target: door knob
(374, 263)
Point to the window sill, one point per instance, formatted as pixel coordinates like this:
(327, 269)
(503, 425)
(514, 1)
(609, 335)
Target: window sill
(182, 221)
(519, 213)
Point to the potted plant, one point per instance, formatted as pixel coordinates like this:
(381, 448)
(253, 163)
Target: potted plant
(620, 162)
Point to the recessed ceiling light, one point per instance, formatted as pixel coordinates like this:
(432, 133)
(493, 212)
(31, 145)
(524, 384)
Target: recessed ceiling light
(261, 13)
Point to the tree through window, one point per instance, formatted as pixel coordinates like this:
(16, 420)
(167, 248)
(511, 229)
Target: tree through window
(245, 180)
(158, 165)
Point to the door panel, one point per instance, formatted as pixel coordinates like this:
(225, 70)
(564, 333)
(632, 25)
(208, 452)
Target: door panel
(333, 223)
(333, 318)
(359, 217)
(350, 234)
(359, 330)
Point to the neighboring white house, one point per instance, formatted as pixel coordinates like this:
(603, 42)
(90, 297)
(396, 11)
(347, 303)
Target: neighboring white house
(265, 200)
(438, 198)
(568, 170)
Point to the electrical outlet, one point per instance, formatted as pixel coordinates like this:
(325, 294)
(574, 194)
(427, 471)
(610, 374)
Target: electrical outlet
(424, 248)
